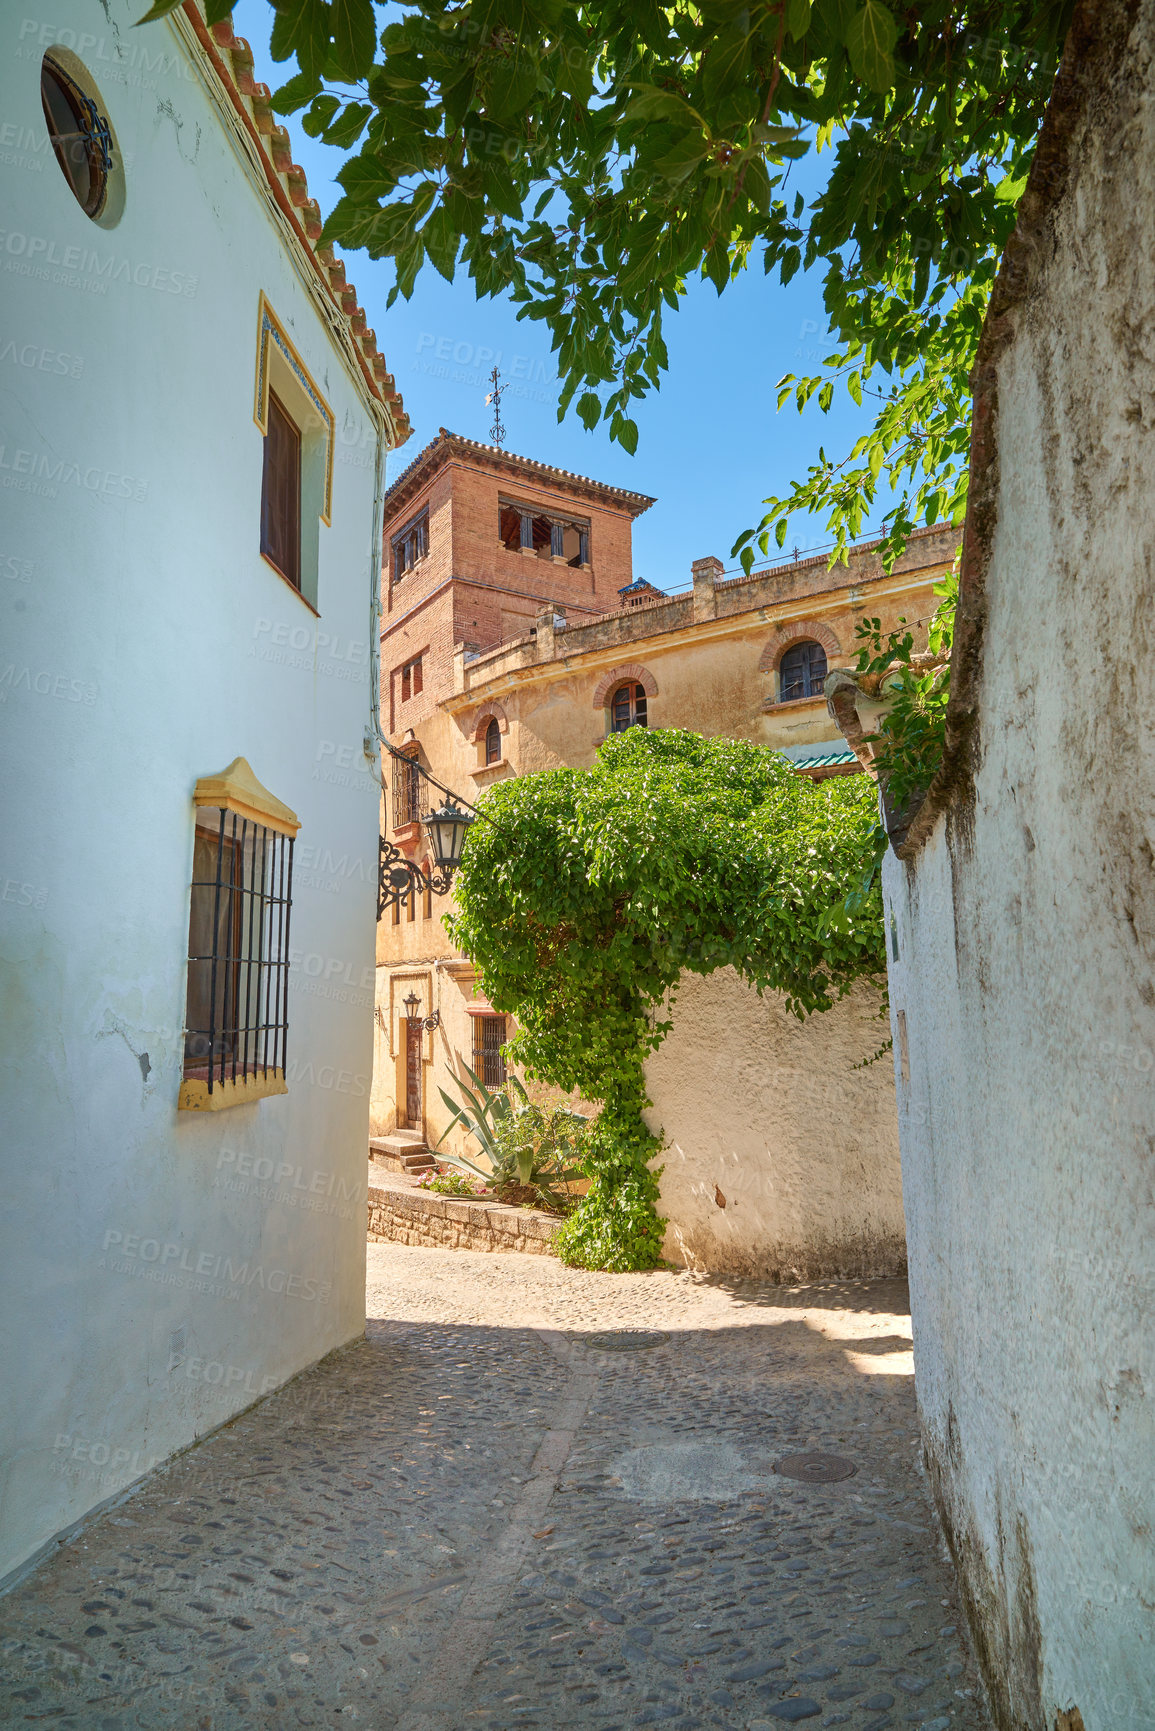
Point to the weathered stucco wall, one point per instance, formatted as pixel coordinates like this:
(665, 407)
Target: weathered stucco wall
(162, 1269)
(1022, 999)
(782, 1158)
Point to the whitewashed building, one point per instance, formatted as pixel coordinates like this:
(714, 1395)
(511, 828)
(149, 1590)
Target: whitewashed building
(192, 447)
(1021, 941)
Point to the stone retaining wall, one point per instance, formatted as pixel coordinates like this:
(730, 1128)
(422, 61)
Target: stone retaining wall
(403, 1212)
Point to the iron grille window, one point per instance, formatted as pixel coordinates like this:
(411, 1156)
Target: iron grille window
(628, 708)
(410, 545)
(802, 671)
(408, 792)
(488, 1056)
(236, 1013)
(493, 743)
(281, 494)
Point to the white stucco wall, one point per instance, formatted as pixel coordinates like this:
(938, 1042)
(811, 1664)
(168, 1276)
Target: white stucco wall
(782, 1158)
(1026, 942)
(145, 644)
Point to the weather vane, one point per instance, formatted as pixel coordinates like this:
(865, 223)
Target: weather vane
(497, 431)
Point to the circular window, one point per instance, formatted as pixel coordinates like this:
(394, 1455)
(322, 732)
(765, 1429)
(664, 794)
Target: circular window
(80, 134)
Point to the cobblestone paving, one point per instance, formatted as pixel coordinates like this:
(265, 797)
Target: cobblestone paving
(482, 1516)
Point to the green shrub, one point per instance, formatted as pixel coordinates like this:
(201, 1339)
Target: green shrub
(589, 892)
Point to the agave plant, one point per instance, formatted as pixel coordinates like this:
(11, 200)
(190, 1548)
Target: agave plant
(527, 1147)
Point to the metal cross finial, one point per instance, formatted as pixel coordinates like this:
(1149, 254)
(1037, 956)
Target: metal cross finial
(497, 431)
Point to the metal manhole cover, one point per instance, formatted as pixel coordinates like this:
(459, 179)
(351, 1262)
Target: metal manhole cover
(626, 1340)
(815, 1469)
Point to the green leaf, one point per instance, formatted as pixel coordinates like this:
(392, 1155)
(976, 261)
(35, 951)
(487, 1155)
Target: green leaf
(797, 18)
(870, 42)
(680, 162)
(354, 37)
(650, 104)
(441, 242)
(296, 92)
(511, 85)
(319, 115)
(301, 27)
(589, 409)
(727, 62)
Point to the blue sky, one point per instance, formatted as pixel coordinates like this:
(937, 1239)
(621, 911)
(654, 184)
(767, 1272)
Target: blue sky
(711, 443)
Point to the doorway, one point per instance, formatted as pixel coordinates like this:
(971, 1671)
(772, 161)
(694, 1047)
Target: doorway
(413, 1034)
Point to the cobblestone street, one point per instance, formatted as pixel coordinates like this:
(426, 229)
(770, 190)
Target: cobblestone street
(483, 1515)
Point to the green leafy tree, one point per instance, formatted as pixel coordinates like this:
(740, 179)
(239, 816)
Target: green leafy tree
(589, 893)
(590, 159)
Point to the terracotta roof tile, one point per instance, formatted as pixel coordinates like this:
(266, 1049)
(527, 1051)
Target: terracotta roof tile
(447, 445)
(232, 60)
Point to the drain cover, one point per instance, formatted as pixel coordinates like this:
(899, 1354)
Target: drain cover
(815, 1469)
(627, 1340)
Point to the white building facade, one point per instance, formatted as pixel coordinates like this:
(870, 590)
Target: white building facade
(1021, 942)
(192, 451)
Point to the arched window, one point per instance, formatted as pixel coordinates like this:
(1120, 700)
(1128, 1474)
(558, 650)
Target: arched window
(627, 708)
(802, 671)
(493, 742)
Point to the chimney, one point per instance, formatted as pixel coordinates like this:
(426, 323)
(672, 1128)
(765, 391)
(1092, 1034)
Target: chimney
(705, 572)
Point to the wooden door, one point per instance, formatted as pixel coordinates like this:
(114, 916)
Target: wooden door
(413, 1075)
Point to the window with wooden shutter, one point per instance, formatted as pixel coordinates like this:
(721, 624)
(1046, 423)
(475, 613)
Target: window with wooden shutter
(281, 494)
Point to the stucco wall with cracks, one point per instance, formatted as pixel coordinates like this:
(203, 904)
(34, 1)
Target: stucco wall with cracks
(162, 1269)
(782, 1157)
(1022, 998)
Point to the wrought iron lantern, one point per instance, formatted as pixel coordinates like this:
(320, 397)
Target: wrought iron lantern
(413, 1015)
(398, 877)
(446, 829)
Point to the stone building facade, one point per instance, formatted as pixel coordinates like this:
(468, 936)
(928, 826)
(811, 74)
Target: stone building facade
(478, 692)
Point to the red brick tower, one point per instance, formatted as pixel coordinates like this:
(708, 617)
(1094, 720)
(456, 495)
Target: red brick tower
(477, 542)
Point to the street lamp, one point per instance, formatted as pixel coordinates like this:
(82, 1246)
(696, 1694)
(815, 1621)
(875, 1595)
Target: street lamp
(414, 1017)
(398, 877)
(446, 829)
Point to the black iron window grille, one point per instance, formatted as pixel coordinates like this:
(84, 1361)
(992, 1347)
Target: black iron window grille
(802, 671)
(488, 1053)
(236, 1020)
(409, 798)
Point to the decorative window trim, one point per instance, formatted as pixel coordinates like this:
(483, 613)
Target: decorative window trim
(259, 1012)
(271, 333)
(491, 712)
(787, 634)
(634, 674)
(106, 204)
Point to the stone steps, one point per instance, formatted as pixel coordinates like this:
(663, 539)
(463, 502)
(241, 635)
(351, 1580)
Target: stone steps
(401, 1151)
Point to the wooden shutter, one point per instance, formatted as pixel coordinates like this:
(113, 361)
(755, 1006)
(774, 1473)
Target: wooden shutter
(281, 494)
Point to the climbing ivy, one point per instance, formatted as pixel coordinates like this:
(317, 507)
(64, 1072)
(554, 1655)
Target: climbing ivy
(589, 893)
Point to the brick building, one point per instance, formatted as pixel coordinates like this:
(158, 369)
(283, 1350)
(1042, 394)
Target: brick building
(515, 639)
